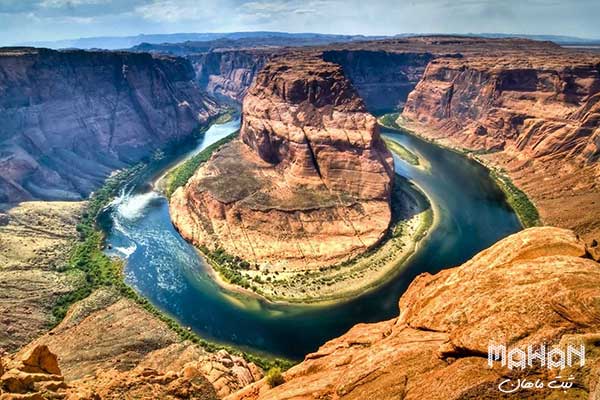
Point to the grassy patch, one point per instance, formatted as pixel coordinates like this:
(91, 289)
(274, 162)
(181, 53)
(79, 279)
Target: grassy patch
(225, 116)
(181, 174)
(518, 200)
(389, 121)
(402, 151)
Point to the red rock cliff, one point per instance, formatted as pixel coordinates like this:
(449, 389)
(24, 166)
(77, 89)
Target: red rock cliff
(533, 287)
(537, 115)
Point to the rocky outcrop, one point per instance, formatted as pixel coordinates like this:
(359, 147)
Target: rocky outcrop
(308, 183)
(533, 287)
(35, 375)
(111, 348)
(536, 113)
(69, 118)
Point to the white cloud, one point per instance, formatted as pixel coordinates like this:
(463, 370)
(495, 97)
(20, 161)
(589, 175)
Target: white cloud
(70, 3)
(186, 10)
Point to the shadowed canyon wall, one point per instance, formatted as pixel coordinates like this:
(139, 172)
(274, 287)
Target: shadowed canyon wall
(383, 79)
(228, 74)
(69, 118)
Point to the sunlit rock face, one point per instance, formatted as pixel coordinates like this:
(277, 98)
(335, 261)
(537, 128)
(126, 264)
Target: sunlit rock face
(70, 118)
(308, 182)
(536, 286)
(535, 113)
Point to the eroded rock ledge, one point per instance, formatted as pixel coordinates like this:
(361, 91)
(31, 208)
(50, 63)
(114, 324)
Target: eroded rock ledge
(308, 182)
(532, 287)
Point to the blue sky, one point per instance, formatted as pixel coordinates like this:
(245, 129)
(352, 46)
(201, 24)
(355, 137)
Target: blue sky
(36, 20)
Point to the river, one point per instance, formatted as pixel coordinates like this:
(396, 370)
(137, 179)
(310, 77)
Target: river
(471, 215)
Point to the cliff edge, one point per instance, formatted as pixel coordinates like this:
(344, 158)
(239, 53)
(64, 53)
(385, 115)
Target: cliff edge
(532, 287)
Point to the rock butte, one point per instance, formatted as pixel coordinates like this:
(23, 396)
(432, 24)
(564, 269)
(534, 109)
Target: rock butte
(533, 104)
(534, 286)
(308, 182)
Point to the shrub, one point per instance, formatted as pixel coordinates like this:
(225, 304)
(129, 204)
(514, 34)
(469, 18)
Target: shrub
(274, 377)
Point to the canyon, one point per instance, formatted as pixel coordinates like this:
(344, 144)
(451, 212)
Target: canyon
(531, 107)
(307, 183)
(532, 115)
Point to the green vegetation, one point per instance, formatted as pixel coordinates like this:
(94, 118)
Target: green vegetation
(181, 174)
(515, 197)
(87, 256)
(225, 116)
(389, 121)
(518, 200)
(402, 151)
(88, 259)
(274, 377)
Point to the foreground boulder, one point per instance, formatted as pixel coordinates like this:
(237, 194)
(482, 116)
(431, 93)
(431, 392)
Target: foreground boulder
(308, 183)
(535, 286)
(35, 375)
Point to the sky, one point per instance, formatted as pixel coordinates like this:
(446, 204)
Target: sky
(43, 20)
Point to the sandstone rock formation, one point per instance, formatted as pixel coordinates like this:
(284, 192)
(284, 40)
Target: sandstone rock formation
(538, 115)
(111, 348)
(69, 118)
(308, 183)
(34, 376)
(534, 286)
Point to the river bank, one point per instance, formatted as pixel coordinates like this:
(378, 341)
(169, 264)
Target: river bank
(521, 203)
(412, 220)
(100, 270)
(469, 215)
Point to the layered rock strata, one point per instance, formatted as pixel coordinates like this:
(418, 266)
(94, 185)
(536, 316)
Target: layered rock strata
(536, 114)
(537, 286)
(69, 118)
(228, 74)
(308, 182)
